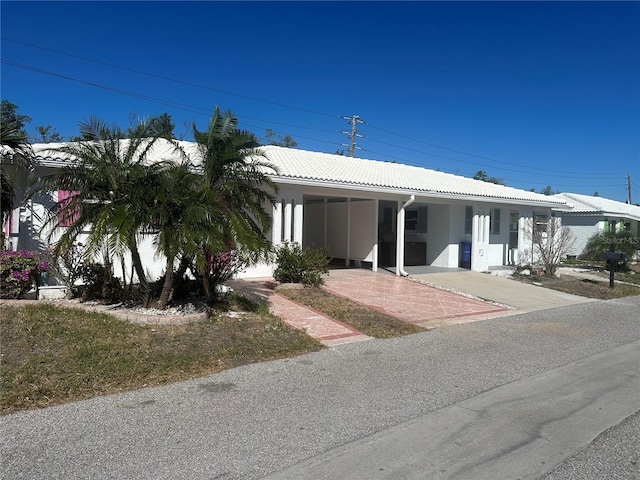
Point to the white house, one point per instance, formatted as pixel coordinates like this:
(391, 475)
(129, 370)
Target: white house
(368, 213)
(587, 215)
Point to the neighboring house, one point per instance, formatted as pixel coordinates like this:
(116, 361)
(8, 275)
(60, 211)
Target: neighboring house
(368, 213)
(587, 215)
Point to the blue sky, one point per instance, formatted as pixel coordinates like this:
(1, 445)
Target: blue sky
(535, 93)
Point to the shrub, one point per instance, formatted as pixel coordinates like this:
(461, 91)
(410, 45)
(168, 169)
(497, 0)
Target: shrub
(20, 271)
(601, 242)
(223, 266)
(298, 265)
(69, 267)
(100, 284)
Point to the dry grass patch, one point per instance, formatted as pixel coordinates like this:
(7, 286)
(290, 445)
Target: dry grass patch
(364, 319)
(584, 287)
(52, 355)
(591, 289)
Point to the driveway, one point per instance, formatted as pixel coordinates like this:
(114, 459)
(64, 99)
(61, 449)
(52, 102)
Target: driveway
(419, 299)
(522, 296)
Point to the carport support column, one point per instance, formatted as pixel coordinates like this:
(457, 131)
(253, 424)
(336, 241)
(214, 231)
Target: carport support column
(347, 261)
(400, 239)
(374, 263)
(400, 227)
(525, 237)
(480, 241)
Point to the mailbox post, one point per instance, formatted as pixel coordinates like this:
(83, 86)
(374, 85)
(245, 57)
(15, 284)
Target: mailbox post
(612, 259)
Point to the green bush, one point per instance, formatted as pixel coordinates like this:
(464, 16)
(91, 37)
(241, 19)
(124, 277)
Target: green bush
(298, 265)
(601, 242)
(100, 284)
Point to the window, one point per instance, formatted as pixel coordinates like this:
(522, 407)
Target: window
(494, 221)
(67, 214)
(468, 220)
(541, 222)
(627, 226)
(411, 220)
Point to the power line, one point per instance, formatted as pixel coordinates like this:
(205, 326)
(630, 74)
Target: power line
(162, 77)
(480, 156)
(483, 165)
(352, 134)
(510, 181)
(352, 146)
(182, 106)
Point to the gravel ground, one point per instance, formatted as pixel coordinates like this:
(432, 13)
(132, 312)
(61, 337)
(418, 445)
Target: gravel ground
(247, 422)
(614, 455)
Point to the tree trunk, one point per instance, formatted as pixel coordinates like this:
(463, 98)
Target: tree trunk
(145, 290)
(167, 287)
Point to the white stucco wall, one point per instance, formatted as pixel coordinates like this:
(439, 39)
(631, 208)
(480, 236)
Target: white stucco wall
(582, 228)
(439, 251)
(362, 236)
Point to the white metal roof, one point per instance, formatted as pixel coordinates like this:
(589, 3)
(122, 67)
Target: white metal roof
(585, 204)
(340, 171)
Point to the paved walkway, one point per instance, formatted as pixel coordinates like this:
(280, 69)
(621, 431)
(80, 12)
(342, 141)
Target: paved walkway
(324, 329)
(403, 298)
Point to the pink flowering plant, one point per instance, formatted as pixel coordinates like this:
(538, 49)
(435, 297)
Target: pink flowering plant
(20, 271)
(223, 266)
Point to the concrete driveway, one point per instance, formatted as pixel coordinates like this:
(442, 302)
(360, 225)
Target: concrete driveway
(524, 297)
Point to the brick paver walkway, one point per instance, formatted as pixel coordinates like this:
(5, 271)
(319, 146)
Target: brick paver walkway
(328, 331)
(402, 298)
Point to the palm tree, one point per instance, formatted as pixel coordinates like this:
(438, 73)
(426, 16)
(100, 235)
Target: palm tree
(112, 187)
(184, 215)
(235, 176)
(16, 151)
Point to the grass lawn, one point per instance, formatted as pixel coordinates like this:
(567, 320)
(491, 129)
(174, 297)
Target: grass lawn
(52, 355)
(364, 319)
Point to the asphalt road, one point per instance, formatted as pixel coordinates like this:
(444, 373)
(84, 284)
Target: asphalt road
(562, 383)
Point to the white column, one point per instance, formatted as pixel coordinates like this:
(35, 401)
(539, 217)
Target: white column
(400, 239)
(276, 228)
(298, 222)
(480, 242)
(374, 253)
(348, 259)
(287, 221)
(525, 237)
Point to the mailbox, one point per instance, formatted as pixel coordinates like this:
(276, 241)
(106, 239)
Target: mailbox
(614, 256)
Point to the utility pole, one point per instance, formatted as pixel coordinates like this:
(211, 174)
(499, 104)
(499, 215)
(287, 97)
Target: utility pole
(353, 120)
(629, 188)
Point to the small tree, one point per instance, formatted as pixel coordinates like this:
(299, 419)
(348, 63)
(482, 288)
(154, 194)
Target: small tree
(46, 134)
(550, 242)
(272, 138)
(482, 176)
